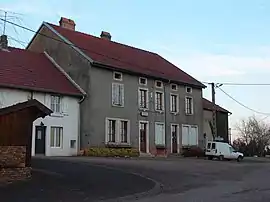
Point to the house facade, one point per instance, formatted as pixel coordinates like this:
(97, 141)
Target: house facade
(222, 121)
(25, 75)
(135, 98)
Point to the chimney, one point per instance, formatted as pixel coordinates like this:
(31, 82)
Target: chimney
(67, 23)
(3, 42)
(105, 35)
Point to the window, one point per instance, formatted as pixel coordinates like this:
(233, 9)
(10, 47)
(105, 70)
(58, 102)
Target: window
(159, 101)
(57, 137)
(55, 103)
(213, 145)
(142, 81)
(159, 134)
(111, 130)
(188, 90)
(189, 105)
(209, 145)
(158, 84)
(117, 76)
(117, 94)
(72, 144)
(117, 131)
(173, 86)
(189, 135)
(174, 103)
(123, 131)
(143, 98)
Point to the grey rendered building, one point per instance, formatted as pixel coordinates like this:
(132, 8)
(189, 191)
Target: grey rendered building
(135, 98)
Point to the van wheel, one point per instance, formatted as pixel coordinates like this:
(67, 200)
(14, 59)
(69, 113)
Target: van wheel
(240, 158)
(221, 157)
(210, 157)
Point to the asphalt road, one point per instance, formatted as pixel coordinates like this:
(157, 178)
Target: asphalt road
(56, 180)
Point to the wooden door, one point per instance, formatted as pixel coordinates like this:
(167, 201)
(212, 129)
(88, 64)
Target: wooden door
(174, 139)
(143, 135)
(40, 140)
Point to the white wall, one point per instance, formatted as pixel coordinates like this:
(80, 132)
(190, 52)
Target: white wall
(69, 119)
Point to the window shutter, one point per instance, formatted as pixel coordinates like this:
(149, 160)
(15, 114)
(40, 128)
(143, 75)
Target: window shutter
(122, 94)
(114, 94)
(191, 104)
(171, 103)
(147, 99)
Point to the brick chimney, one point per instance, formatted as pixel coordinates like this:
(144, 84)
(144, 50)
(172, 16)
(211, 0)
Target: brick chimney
(3, 42)
(67, 23)
(105, 35)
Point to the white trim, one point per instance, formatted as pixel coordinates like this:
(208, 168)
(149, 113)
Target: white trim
(192, 106)
(158, 86)
(147, 136)
(178, 137)
(117, 131)
(54, 137)
(121, 79)
(177, 103)
(147, 98)
(164, 132)
(123, 95)
(162, 97)
(173, 84)
(142, 83)
(187, 90)
(68, 42)
(63, 71)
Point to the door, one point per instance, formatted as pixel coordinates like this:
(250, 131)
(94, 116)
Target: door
(40, 140)
(174, 130)
(143, 135)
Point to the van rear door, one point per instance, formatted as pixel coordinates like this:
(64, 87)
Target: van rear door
(211, 148)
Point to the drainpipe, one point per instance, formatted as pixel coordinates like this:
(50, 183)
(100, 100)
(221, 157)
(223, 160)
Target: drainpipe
(165, 115)
(79, 123)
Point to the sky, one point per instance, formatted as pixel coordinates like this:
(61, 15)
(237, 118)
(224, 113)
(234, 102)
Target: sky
(214, 41)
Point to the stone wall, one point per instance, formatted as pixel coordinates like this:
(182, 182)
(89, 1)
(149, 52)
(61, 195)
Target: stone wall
(12, 164)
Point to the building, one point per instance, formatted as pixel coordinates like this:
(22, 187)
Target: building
(222, 121)
(135, 98)
(25, 75)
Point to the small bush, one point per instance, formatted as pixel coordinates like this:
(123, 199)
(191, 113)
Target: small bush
(111, 152)
(193, 151)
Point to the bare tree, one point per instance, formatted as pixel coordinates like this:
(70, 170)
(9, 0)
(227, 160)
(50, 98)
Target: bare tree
(255, 134)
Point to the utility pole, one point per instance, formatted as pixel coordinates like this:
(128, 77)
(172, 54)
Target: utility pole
(5, 19)
(214, 110)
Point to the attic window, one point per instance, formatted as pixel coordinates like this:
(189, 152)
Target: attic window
(117, 76)
(188, 90)
(158, 84)
(173, 86)
(142, 81)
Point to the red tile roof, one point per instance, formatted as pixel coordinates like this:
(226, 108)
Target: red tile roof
(126, 57)
(208, 106)
(24, 69)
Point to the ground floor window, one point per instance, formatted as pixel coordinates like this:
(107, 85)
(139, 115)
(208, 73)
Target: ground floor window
(159, 134)
(189, 135)
(117, 130)
(57, 137)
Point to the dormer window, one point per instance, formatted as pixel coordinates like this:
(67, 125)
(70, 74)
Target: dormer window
(142, 81)
(117, 76)
(188, 90)
(159, 84)
(173, 86)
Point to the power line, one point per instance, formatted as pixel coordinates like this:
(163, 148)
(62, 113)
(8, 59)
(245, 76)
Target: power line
(238, 84)
(258, 112)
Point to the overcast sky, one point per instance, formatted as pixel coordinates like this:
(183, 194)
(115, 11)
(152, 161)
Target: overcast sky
(220, 41)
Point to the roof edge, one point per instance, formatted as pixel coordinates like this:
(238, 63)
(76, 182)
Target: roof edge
(64, 73)
(68, 42)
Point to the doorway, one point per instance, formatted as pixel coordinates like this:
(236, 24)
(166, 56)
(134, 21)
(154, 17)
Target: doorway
(175, 138)
(40, 140)
(143, 136)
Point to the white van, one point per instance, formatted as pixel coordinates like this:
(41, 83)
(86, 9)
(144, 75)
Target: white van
(222, 150)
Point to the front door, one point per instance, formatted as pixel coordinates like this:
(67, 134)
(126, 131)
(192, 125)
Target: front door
(40, 140)
(143, 131)
(174, 139)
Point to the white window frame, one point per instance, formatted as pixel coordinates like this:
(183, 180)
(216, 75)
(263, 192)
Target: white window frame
(192, 106)
(162, 100)
(147, 135)
(177, 103)
(157, 82)
(52, 101)
(143, 84)
(164, 133)
(121, 79)
(54, 137)
(173, 84)
(117, 131)
(178, 137)
(187, 87)
(146, 98)
(122, 97)
(190, 126)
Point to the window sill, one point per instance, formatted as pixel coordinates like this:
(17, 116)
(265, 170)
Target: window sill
(174, 113)
(189, 114)
(160, 111)
(143, 109)
(118, 145)
(57, 115)
(160, 146)
(120, 106)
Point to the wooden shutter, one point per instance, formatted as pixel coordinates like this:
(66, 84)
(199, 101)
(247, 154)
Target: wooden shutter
(122, 94)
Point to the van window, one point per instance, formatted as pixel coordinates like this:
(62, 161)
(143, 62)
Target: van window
(213, 145)
(209, 145)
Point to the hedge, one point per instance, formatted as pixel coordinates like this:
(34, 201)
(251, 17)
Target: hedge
(111, 152)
